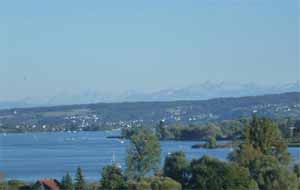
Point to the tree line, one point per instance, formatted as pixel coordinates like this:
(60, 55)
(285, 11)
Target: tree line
(224, 130)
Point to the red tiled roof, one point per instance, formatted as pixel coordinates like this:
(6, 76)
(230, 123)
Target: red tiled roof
(50, 183)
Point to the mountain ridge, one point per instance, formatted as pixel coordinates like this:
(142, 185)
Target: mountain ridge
(203, 91)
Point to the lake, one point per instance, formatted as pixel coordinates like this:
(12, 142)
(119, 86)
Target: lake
(33, 156)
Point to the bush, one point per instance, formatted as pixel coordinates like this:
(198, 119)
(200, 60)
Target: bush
(15, 185)
(154, 183)
(141, 185)
(210, 173)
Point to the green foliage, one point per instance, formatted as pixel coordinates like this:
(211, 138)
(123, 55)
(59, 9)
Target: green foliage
(36, 186)
(112, 178)
(93, 186)
(13, 184)
(209, 173)
(220, 130)
(290, 129)
(129, 132)
(211, 142)
(264, 152)
(143, 154)
(80, 183)
(296, 170)
(198, 132)
(139, 185)
(163, 132)
(271, 175)
(67, 182)
(154, 183)
(176, 166)
(164, 183)
(262, 137)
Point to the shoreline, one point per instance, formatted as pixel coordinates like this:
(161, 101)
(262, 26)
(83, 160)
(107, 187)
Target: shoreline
(119, 137)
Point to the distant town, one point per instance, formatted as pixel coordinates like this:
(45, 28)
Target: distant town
(105, 116)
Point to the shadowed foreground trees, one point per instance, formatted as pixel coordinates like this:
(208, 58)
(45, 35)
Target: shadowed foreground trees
(154, 183)
(143, 154)
(177, 167)
(80, 183)
(209, 173)
(66, 182)
(143, 159)
(264, 152)
(261, 138)
(259, 162)
(112, 178)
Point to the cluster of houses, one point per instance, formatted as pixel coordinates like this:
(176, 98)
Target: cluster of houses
(80, 121)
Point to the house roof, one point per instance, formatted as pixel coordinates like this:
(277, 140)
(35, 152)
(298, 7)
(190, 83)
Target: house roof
(50, 183)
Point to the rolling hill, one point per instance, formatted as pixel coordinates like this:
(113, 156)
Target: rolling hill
(112, 115)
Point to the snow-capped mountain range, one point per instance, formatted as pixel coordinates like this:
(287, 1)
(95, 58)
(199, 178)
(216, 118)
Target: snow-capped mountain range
(202, 91)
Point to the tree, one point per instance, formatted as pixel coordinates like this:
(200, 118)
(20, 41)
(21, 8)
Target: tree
(164, 132)
(143, 154)
(264, 152)
(154, 183)
(176, 166)
(262, 137)
(270, 175)
(112, 178)
(210, 173)
(211, 142)
(15, 184)
(66, 182)
(80, 182)
(297, 170)
(297, 128)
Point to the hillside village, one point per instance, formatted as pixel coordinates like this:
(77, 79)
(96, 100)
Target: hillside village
(121, 115)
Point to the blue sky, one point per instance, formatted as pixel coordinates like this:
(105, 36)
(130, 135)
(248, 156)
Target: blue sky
(47, 47)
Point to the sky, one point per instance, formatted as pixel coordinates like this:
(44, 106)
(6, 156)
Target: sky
(53, 46)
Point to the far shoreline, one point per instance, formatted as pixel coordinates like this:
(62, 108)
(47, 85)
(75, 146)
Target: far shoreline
(229, 143)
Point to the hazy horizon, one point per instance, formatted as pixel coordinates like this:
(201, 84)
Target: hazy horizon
(49, 48)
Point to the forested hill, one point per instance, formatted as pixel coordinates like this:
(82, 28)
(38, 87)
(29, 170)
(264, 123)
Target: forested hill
(124, 114)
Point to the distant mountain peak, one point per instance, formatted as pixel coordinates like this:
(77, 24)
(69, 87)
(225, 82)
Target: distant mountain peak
(202, 91)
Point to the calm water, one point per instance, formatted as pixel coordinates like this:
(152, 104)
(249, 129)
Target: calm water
(39, 155)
